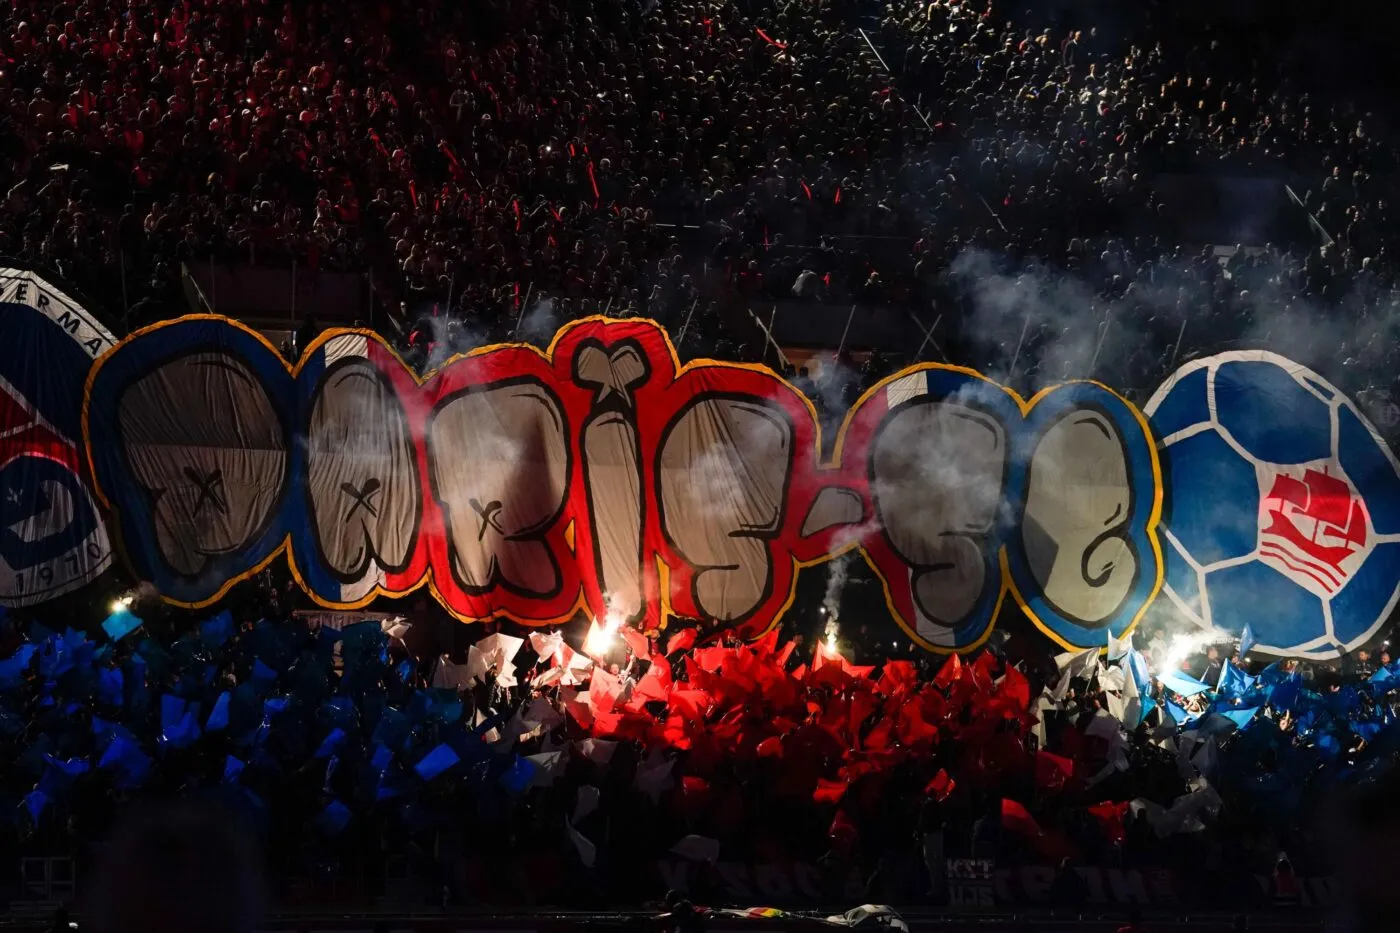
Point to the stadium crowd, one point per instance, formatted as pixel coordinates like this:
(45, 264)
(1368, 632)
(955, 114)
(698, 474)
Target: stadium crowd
(679, 159)
(563, 771)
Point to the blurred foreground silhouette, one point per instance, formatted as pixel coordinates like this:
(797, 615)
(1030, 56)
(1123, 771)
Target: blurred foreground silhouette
(177, 868)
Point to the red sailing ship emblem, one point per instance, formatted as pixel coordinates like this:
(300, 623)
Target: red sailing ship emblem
(1312, 527)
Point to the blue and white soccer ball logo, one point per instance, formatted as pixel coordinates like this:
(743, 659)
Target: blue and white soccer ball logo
(1283, 505)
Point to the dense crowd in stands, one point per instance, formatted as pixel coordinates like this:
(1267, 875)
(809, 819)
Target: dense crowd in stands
(484, 163)
(688, 156)
(563, 771)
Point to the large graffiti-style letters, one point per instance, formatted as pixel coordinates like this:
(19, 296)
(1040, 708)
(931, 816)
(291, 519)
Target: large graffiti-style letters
(602, 474)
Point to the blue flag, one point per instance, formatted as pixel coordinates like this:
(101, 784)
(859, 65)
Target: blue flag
(216, 630)
(334, 818)
(436, 762)
(70, 767)
(1247, 640)
(233, 767)
(218, 716)
(12, 668)
(1234, 682)
(339, 712)
(518, 777)
(1241, 717)
(120, 624)
(331, 744)
(130, 765)
(263, 676)
(1180, 684)
(393, 729)
(111, 686)
(35, 802)
(179, 723)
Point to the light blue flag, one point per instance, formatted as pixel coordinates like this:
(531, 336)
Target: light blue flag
(1234, 682)
(1386, 679)
(1182, 685)
(1247, 640)
(1240, 717)
(1137, 668)
(120, 624)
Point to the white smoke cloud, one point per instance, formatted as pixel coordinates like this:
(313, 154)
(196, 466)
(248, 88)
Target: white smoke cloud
(538, 323)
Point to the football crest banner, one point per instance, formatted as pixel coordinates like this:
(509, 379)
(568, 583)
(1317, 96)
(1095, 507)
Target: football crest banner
(1284, 505)
(52, 538)
(603, 475)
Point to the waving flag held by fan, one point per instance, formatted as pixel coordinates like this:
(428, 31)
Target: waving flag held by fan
(52, 539)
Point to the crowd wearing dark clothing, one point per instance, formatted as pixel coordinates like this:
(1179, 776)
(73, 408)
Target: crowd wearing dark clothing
(471, 160)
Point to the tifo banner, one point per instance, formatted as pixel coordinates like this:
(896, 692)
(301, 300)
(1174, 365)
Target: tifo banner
(602, 474)
(51, 536)
(1284, 505)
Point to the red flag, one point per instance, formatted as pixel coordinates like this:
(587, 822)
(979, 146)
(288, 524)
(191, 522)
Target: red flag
(637, 642)
(692, 786)
(709, 659)
(1052, 845)
(603, 691)
(681, 641)
(1110, 818)
(941, 786)
(781, 660)
(656, 682)
(1015, 691)
(897, 676)
(1052, 772)
(770, 40)
(880, 736)
(1017, 819)
(913, 728)
(593, 179)
(829, 791)
(688, 704)
(824, 656)
(950, 673)
(860, 671)
(606, 722)
(842, 833)
(981, 671)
